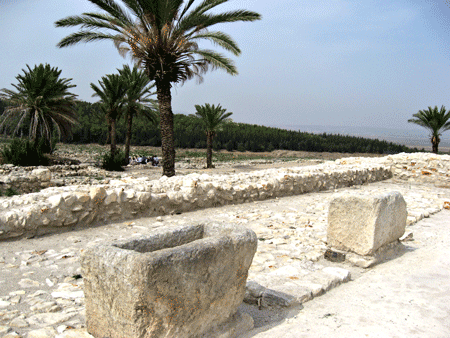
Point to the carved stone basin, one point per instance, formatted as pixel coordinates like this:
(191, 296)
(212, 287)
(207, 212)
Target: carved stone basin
(178, 282)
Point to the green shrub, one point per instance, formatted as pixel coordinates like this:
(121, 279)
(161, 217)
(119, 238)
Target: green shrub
(45, 146)
(22, 152)
(11, 192)
(114, 163)
(241, 147)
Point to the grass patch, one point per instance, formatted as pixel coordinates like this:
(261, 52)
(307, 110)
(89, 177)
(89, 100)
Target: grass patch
(9, 192)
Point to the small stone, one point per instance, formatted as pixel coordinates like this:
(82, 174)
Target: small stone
(407, 237)
(18, 322)
(4, 329)
(49, 318)
(28, 283)
(42, 333)
(343, 274)
(334, 256)
(68, 294)
(4, 304)
(75, 333)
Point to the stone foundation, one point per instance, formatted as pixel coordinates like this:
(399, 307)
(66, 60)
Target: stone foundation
(76, 206)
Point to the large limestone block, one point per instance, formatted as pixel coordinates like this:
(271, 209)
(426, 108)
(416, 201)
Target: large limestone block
(364, 223)
(182, 282)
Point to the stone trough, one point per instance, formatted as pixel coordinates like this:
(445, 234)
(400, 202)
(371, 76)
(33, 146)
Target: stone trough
(180, 282)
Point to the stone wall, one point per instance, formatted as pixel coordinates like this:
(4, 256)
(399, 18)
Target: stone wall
(81, 205)
(25, 180)
(410, 166)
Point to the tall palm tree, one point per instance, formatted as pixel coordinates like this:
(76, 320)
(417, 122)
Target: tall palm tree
(43, 99)
(137, 99)
(212, 118)
(112, 91)
(163, 37)
(435, 120)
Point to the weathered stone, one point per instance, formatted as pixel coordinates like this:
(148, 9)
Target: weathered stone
(75, 333)
(362, 224)
(18, 322)
(49, 318)
(97, 195)
(42, 333)
(264, 297)
(181, 282)
(42, 175)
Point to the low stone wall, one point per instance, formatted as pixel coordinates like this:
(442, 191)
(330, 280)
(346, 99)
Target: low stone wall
(410, 166)
(24, 180)
(79, 205)
(32, 181)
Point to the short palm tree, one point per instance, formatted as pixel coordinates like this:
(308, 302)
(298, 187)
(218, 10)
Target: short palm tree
(112, 91)
(212, 118)
(163, 37)
(43, 99)
(435, 120)
(137, 100)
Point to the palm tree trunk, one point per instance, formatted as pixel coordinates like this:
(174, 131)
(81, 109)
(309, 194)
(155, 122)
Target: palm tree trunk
(128, 136)
(113, 136)
(108, 135)
(209, 138)
(434, 146)
(167, 134)
(435, 143)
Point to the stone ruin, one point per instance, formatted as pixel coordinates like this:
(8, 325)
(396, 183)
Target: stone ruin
(365, 225)
(186, 282)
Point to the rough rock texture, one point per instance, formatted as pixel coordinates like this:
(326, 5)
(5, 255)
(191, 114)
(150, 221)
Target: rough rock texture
(78, 205)
(181, 282)
(362, 224)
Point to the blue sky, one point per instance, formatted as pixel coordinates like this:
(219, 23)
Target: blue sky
(323, 62)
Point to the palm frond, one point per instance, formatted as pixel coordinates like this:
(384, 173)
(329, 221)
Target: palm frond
(218, 61)
(221, 39)
(84, 36)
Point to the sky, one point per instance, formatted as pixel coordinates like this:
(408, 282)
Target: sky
(358, 63)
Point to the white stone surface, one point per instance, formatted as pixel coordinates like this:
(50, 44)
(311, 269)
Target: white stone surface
(364, 223)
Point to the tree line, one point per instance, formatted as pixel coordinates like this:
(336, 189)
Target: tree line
(189, 133)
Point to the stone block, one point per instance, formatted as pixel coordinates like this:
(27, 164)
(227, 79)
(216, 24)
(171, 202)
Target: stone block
(364, 223)
(43, 175)
(180, 282)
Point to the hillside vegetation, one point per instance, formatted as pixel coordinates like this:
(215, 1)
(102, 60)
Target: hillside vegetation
(92, 128)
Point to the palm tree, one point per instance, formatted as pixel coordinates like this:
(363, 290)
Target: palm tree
(137, 99)
(212, 118)
(162, 37)
(112, 91)
(435, 120)
(42, 99)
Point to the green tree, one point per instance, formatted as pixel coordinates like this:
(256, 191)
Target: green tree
(434, 119)
(112, 91)
(43, 99)
(212, 118)
(163, 37)
(137, 100)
